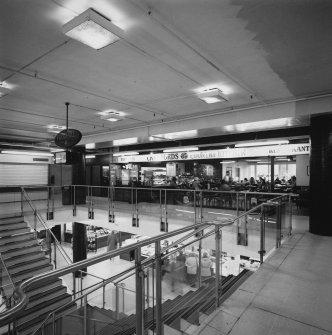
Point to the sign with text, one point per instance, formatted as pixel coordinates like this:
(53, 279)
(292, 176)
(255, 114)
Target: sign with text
(274, 150)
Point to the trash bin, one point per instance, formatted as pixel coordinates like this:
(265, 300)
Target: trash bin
(67, 195)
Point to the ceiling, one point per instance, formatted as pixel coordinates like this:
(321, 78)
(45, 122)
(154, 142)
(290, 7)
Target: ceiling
(271, 59)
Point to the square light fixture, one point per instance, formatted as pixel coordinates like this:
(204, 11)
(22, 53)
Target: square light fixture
(111, 115)
(211, 96)
(92, 29)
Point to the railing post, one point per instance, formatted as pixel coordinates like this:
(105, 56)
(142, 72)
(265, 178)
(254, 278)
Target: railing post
(117, 301)
(278, 237)
(104, 293)
(158, 264)
(290, 204)
(85, 321)
(195, 209)
(74, 200)
(262, 236)
(54, 244)
(218, 286)
(53, 323)
(139, 279)
(21, 201)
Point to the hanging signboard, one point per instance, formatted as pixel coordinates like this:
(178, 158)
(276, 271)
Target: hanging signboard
(274, 150)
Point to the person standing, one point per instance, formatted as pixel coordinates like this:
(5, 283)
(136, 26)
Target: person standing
(192, 265)
(112, 242)
(206, 265)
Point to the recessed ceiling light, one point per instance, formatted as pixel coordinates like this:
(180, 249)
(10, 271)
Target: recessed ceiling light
(211, 96)
(92, 29)
(125, 141)
(90, 156)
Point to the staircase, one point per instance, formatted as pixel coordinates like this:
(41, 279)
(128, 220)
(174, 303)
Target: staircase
(24, 259)
(181, 315)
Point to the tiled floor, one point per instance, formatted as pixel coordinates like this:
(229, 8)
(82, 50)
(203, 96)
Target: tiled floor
(291, 294)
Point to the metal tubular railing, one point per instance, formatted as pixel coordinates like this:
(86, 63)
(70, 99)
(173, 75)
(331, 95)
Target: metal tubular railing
(156, 260)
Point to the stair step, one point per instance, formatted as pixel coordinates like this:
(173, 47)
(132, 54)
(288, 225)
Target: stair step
(47, 296)
(171, 331)
(16, 238)
(17, 268)
(43, 309)
(29, 256)
(17, 245)
(14, 225)
(190, 330)
(14, 232)
(35, 291)
(21, 251)
(13, 219)
(28, 274)
(32, 326)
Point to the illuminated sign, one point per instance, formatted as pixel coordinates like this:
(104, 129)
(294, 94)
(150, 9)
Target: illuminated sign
(273, 150)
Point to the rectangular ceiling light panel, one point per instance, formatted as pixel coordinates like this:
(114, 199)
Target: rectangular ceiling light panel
(92, 29)
(212, 96)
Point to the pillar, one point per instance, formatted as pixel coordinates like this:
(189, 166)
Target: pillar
(321, 175)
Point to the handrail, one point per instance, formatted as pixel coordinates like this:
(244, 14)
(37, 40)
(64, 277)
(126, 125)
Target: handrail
(8, 274)
(19, 293)
(60, 248)
(41, 220)
(109, 280)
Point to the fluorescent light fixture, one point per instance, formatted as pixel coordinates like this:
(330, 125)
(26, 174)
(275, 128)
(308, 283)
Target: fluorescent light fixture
(260, 143)
(30, 153)
(178, 134)
(112, 119)
(90, 156)
(90, 146)
(125, 153)
(228, 162)
(125, 141)
(211, 96)
(181, 149)
(3, 91)
(92, 29)
(253, 160)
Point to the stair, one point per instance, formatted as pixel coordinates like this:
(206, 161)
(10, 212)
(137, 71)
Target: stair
(24, 259)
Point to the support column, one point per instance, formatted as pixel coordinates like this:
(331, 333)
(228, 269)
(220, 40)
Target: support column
(321, 175)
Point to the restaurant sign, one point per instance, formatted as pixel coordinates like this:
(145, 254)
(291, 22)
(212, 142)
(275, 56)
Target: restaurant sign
(275, 150)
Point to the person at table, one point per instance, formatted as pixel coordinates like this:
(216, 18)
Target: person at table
(277, 181)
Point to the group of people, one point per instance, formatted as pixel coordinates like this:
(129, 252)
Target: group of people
(186, 269)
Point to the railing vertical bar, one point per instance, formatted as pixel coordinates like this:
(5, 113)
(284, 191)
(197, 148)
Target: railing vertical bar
(158, 317)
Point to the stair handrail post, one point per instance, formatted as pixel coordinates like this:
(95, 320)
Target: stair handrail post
(22, 199)
(55, 260)
(262, 235)
(218, 246)
(53, 323)
(104, 288)
(290, 209)
(117, 300)
(158, 266)
(85, 321)
(139, 279)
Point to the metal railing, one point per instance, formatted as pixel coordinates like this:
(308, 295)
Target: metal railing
(196, 232)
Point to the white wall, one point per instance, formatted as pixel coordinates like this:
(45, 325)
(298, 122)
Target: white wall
(302, 170)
